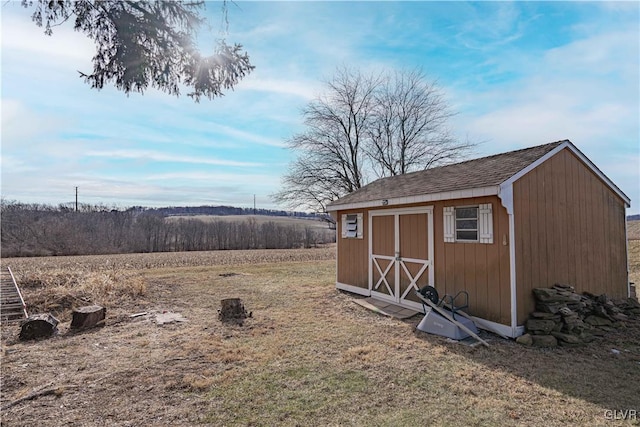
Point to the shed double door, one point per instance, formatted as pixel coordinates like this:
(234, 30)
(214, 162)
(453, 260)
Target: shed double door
(400, 254)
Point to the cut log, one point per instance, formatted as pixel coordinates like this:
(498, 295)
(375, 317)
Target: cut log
(38, 326)
(88, 317)
(232, 310)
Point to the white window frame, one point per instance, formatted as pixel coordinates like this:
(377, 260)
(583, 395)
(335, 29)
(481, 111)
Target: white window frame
(484, 226)
(476, 219)
(352, 226)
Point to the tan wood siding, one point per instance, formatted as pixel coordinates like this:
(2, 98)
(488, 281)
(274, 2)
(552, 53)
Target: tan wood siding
(352, 258)
(383, 243)
(480, 269)
(569, 228)
(383, 237)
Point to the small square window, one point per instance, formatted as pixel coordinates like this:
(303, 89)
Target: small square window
(467, 224)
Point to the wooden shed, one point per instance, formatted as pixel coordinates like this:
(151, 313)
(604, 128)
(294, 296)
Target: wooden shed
(496, 227)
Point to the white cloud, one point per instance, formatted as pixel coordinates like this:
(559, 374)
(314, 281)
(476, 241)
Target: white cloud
(208, 177)
(586, 90)
(157, 156)
(479, 33)
(246, 136)
(65, 47)
(20, 123)
(305, 90)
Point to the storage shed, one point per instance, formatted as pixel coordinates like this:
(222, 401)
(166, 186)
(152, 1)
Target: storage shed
(496, 227)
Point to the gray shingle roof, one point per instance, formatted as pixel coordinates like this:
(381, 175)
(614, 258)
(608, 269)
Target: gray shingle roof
(477, 173)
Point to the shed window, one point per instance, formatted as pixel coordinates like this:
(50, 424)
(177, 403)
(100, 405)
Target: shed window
(467, 224)
(352, 226)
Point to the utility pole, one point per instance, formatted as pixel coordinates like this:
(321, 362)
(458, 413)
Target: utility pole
(76, 199)
(254, 204)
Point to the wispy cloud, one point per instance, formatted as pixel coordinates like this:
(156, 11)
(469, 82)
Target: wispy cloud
(155, 156)
(479, 33)
(19, 33)
(305, 90)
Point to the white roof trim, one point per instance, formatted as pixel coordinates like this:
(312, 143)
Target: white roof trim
(423, 198)
(566, 144)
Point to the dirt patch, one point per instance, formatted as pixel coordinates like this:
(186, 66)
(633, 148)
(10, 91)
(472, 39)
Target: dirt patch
(307, 356)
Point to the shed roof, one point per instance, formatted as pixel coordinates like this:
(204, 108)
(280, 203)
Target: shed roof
(486, 173)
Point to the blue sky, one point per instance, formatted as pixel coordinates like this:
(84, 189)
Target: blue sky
(518, 74)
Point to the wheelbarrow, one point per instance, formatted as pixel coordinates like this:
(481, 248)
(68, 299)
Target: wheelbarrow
(441, 319)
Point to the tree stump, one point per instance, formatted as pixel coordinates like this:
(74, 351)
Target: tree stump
(232, 310)
(38, 326)
(88, 317)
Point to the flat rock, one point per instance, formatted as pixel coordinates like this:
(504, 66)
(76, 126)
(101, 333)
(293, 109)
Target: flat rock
(597, 321)
(567, 312)
(540, 325)
(563, 287)
(169, 317)
(570, 338)
(525, 339)
(544, 341)
(548, 295)
(543, 315)
(550, 307)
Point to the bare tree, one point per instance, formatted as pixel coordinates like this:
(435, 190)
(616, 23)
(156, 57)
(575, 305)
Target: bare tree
(367, 126)
(409, 129)
(331, 150)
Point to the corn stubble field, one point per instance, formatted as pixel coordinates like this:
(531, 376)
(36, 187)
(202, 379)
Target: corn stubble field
(308, 356)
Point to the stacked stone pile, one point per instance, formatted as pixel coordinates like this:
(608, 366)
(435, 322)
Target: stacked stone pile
(564, 317)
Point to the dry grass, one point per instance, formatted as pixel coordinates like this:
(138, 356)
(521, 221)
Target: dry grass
(57, 291)
(633, 230)
(167, 259)
(309, 356)
(634, 263)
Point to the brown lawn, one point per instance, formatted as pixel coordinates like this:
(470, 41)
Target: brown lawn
(308, 356)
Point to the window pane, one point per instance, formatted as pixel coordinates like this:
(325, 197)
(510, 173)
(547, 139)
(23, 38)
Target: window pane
(466, 212)
(466, 235)
(467, 224)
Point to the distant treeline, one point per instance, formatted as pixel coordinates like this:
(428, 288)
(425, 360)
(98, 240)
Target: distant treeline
(224, 210)
(41, 230)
